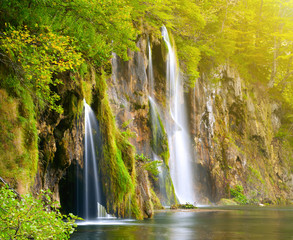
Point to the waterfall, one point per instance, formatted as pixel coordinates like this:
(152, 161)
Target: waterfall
(177, 130)
(164, 186)
(154, 115)
(90, 206)
(150, 71)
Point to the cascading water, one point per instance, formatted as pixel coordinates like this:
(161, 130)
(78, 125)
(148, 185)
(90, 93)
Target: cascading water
(154, 112)
(177, 130)
(159, 137)
(150, 71)
(91, 207)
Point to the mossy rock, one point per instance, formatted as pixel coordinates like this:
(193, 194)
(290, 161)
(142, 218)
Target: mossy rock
(227, 202)
(18, 138)
(117, 163)
(159, 141)
(183, 206)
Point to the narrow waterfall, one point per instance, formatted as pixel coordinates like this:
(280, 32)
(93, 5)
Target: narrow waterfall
(91, 207)
(150, 71)
(154, 117)
(177, 130)
(159, 141)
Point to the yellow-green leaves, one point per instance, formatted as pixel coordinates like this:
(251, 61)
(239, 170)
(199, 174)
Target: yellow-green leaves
(40, 57)
(32, 218)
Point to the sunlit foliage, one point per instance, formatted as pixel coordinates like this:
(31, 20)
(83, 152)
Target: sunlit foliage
(32, 218)
(40, 56)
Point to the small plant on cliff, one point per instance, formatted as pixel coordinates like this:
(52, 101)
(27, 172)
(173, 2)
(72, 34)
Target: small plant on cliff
(149, 165)
(32, 218)
(238, 194)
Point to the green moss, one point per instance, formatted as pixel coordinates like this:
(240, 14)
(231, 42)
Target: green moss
(83, 69)
(126, 123)
(86, 90)
(117, 164)
(171, 196)
(186, 206)
(227, 202)
(135, 209)
(155, 200)
(19, 137)
(159, 141)
(166, 187)
(255, 174)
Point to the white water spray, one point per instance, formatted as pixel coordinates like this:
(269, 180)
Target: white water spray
(166, 191)
(150, 71)
(178, 137)
(91, 208)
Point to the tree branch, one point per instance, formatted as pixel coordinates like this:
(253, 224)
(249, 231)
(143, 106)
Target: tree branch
(5, 183)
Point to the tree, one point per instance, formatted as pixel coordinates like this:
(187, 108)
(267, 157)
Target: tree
(37, 57)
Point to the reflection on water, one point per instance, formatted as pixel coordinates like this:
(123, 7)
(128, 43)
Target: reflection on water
(215, 224)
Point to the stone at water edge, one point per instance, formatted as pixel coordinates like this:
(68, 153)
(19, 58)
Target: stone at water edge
(227, 202)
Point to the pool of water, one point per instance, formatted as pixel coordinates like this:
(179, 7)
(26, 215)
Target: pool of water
(216, 224)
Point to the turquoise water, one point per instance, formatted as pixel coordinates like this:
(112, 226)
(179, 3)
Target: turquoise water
(216, 224)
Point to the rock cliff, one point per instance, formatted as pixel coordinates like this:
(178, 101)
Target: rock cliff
(234, 126)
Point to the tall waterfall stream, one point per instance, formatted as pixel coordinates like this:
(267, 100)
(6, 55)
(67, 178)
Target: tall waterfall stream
(179, 143)
(91, 207)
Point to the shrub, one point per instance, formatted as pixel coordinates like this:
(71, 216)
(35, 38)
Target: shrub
(150, 165)
(238, 194)
(32, 218)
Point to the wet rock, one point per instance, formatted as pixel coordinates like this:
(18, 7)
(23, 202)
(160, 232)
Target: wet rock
(227, 202)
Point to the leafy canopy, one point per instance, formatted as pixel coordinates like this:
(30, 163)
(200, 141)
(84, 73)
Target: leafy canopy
(31, 218)
(39, 57)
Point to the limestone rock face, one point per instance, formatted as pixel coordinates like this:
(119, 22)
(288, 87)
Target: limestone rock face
(232, 123)
(128, 93)
(143, 191)
(234, 126)
(60, 139)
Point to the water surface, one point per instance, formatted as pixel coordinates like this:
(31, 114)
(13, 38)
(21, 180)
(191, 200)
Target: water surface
(216, 224)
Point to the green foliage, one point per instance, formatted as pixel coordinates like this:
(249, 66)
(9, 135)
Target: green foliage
(159, 141)
(184, 19)
(41, 39)
(18, 138)
(189, 55)
(183, 206)
(186, 206)
(32, 218)
(40, 56)
(152, 167)
(238, 194)
(149, 165)
(142, 158)
(100, 27)
(128, 134)
(117, 165)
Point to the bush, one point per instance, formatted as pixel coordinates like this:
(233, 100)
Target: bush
(238, 194)
(150, 165)
(32, 218)
(183, 206)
